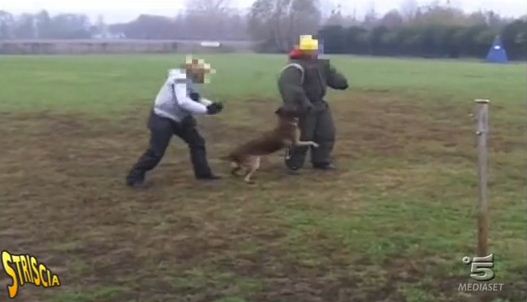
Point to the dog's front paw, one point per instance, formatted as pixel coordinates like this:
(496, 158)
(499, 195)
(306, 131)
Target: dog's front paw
(235, 172)
(315, 145)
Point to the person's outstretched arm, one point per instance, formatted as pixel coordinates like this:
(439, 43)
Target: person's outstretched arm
(335, 79)
(183, 100)
(196, 97)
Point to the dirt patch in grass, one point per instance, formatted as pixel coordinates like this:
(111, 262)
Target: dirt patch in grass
(63, 199)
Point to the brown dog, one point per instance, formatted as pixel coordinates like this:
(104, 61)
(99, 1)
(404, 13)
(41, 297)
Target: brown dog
(286, 134)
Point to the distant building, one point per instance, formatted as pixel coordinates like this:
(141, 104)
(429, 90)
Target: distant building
(108, 36)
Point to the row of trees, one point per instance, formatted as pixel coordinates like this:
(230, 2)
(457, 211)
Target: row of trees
(434, 31)
(428, 31)
(202, 19)
(43, 26)
(431, 31)
(192, 25)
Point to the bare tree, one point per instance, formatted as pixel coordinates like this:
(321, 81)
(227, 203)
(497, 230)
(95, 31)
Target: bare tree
(409, 9)
(371, 18)
(392, 19)
(6, 24)
(24, 27)
(207, 18)
(278, 23)
(207, 7)
(304, 18)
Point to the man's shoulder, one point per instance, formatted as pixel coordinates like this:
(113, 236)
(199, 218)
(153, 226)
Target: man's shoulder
(296, 62)
(294, 65)
(177, 75)
(303, 64)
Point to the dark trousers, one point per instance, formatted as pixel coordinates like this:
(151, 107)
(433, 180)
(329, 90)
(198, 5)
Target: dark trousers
(318, 126)
(161, 131)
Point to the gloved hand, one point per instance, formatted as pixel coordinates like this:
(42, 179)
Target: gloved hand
(214, 108)
(194, 96)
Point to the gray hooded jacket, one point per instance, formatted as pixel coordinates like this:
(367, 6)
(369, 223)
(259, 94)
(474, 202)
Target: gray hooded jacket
(173, 99)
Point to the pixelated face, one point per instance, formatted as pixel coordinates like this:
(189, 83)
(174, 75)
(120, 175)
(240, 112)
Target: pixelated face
(311, 54)
(198, 70)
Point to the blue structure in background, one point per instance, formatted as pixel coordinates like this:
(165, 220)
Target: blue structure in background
(497, 53)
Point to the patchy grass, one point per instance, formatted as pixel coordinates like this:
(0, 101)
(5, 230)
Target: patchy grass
(105, 84)
(391, 225)
(98, 294)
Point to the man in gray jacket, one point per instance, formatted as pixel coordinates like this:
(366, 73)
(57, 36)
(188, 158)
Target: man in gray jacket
(173, 111)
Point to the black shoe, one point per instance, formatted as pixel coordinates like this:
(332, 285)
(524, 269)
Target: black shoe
(208, 177)
(325, 167)
(293, 171)
(135, 181)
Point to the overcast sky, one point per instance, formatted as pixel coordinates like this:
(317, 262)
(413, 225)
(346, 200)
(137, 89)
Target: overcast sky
(125, 10)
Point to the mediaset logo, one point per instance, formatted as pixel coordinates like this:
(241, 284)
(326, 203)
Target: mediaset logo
(481, 270)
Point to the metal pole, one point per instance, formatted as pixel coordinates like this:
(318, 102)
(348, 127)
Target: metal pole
(482, 116)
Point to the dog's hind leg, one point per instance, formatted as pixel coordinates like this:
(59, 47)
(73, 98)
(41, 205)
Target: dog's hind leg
(252, 165)
(248, 176)
(235, 168)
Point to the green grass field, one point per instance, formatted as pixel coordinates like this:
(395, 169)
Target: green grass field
(392, 224)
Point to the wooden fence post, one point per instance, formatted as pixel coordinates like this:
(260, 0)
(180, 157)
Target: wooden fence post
(482, 117)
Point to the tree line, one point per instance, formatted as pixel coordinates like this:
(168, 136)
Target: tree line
(437, 32)
(434, 30)
(274, 25)
(202, 19)
(43, 26)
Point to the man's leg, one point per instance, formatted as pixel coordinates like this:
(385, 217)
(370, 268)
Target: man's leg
(188, 132)
(296, 156)
(161, 130)
(325, 137)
